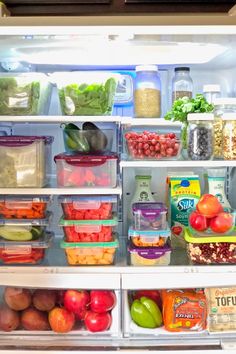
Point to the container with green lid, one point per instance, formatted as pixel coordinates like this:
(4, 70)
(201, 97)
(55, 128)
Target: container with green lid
(90, 253)
(215, 249)
(89, 230)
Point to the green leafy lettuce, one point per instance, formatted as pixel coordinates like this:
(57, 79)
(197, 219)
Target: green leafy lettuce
(93, 99)
(18, 99)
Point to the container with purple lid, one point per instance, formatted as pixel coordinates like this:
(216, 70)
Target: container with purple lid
(149, 216)
(149, 256)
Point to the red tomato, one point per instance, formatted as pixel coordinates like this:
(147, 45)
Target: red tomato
(209, 206)
(222, 223)
(197, 221)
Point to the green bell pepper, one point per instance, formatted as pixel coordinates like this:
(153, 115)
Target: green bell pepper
(145, 313)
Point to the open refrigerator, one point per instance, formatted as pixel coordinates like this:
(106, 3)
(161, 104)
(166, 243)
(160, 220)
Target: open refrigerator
(206, 44)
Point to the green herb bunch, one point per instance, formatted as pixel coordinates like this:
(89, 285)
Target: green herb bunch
(180, 109)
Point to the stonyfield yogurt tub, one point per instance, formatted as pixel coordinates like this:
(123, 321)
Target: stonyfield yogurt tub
(149, 216)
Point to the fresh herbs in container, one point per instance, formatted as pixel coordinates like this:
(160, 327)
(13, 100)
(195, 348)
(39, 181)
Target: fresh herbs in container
(180, 109)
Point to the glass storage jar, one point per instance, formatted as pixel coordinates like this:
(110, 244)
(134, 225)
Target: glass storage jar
(182, 84)
(229, 136)
(200, 136)
(211, 92)
(147, 92)
(221, 105)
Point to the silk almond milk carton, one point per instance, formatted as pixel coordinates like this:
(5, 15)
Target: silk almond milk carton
(183, 193)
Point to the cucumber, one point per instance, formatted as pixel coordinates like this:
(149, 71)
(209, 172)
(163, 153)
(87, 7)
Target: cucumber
(36, 232)
(15, 233)
(75, 139)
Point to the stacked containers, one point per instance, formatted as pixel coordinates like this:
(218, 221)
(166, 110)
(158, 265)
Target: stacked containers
(89, 224)
(149, 235)
(23, 235)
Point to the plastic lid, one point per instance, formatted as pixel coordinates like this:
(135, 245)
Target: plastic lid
(182, 68)
(150, 252)
(224, 101)
(85, 158)
(200, 116)
(25, 198)
(23, 139)
(146, 68)
(87, 199)
(113, 244)
(44, 242)
(211, 88)
(149, 207)
(149, 233)
(26, 222)
(229, 116)
(208, 239)
(111, 222)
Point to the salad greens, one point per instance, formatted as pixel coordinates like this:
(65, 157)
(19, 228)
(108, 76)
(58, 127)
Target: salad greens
(18, 99)
(181, 107)
(93, 99)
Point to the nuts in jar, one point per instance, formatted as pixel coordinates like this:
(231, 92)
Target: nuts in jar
(200, 136)
(218, 141)
(229, 136)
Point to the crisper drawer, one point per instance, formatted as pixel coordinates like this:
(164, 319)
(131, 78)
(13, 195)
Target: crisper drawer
(44, 312)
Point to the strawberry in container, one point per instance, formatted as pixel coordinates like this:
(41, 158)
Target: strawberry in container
(88, 230)
(93, 171)
(87, 207)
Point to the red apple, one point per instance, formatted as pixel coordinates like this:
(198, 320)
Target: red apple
(97, 322)
(150, 294)
(209, 206)
(198, 221)
(61, 320)
(222, 223)
(102, 300)
(77, 301)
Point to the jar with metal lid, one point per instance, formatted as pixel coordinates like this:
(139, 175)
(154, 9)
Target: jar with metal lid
(200, 136)
(147, 92)
(221, 105)
(211, 92)
(229, 136)
(182, 83)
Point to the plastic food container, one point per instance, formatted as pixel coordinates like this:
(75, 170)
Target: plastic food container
(25, 161)
(86, 93)
(23, 229)
(146, 145)
(149, 216)
(149, 238)
(23, 207)
(99, 253)
(87, 207)
(149, 256)
(32, 252)
(24, 94)
(211, 249)
(76, 170)
(88, 230)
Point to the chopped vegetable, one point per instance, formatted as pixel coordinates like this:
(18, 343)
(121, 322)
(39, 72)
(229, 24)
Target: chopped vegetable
(32, 256)
(36, 211)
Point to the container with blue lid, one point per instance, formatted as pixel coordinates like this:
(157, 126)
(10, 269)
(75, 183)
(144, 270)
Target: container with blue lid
(149, 238)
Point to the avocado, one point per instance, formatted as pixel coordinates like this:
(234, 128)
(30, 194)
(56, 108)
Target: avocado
(95, 137)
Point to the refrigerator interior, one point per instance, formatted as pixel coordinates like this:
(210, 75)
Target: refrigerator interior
(211, 58)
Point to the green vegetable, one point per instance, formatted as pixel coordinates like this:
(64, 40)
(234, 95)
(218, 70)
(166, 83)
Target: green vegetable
(15, 233)
(185, 105)
(75, 139)
(94, 99)
(145, 313)
(95, 136)
(18, 99)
